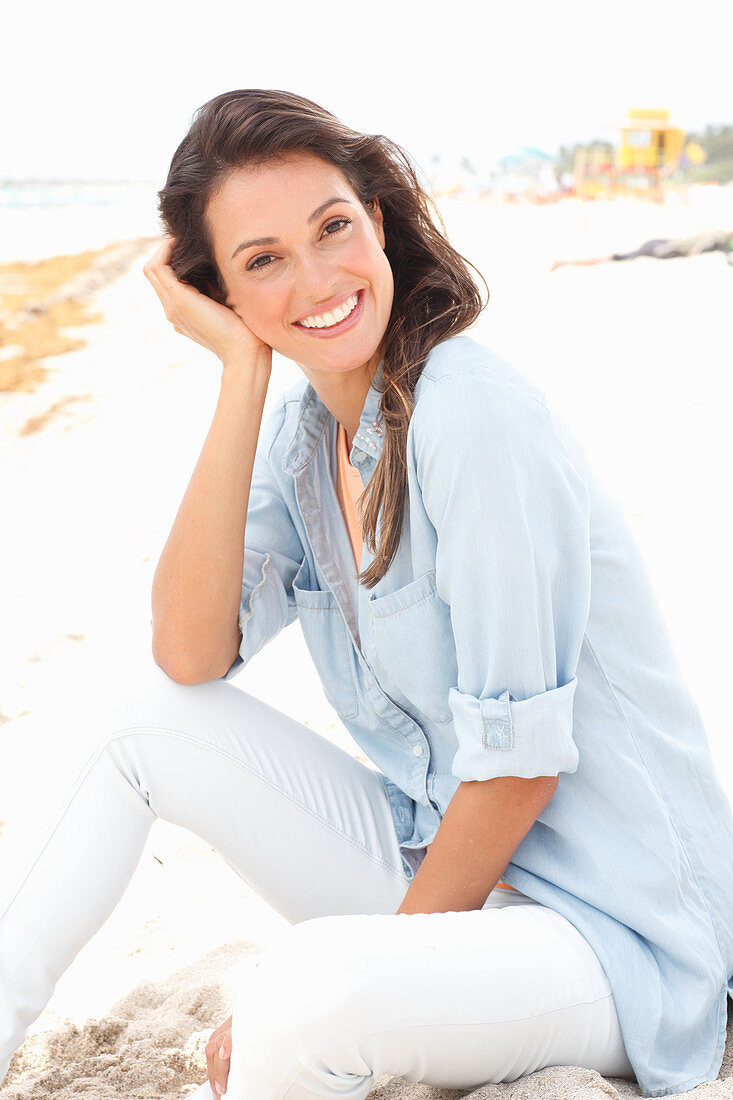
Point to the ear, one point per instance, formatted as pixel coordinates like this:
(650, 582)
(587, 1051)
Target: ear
(377, 217)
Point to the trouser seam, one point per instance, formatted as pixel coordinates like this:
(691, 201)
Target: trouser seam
(75, 785)
(442, 1026)
(484, 1023)
(169, 732)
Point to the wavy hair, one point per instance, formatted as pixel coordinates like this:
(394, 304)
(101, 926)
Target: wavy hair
(435, 293)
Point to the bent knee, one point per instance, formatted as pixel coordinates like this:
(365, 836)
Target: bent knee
(324, 981)
(109, 697)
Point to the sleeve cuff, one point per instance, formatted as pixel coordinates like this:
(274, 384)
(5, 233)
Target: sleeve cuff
(269, 595)
(262, 591)
(514, 737)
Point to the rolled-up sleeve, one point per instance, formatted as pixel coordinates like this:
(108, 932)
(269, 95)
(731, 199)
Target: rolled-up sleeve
(273, 554)
(511, 513)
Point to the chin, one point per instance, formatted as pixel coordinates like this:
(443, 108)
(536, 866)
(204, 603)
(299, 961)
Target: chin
(336, 360)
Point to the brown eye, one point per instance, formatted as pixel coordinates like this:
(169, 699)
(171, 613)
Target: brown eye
(340, 224)
(255, 265)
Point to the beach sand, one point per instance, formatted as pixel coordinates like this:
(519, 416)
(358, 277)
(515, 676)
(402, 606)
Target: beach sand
(96, 452)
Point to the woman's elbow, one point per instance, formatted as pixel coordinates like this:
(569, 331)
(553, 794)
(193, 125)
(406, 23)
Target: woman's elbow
(189, 669)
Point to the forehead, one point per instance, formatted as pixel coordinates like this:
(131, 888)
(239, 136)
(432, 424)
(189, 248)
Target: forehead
(263, 199)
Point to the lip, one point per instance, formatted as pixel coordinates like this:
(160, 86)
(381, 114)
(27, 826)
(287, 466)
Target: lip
(342, 326)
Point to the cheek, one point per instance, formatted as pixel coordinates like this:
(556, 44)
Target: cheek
(386, 280)
(261, 308)
(371, 262)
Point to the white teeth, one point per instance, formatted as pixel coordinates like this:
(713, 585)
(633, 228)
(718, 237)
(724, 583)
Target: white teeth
(333, 317)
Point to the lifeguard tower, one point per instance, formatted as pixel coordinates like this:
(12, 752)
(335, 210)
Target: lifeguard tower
(649, 143)
(649, 150)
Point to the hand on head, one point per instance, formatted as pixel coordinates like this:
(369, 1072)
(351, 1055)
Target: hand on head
(214, 326)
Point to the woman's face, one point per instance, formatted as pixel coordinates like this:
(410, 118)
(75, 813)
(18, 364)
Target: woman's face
(293, 244)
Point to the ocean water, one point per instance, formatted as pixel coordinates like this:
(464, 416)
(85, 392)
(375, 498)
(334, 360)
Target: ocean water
(40, 219)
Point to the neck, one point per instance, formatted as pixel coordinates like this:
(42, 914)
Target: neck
(344, 394)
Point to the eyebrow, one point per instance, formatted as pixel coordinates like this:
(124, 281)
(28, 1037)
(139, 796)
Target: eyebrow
(275, 240)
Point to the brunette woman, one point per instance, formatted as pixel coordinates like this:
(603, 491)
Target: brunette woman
(537, 870)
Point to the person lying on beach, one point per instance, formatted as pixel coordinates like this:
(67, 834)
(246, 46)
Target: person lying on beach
(667, 248)
(535, 868)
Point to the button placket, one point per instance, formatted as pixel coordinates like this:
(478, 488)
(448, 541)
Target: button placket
(323, 550)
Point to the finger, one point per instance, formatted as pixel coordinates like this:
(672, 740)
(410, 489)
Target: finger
(164, 282)
(221, 1075)
(218, 1077)
(166, 250)
(217, 1067)
(162, 252)
(165, 277)
(161, 274)
(223, 1059)
(160, 258)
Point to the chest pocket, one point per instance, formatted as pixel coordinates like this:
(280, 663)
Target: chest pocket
(413, 639)
(328, 642)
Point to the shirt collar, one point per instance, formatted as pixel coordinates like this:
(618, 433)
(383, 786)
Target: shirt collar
(314, 419)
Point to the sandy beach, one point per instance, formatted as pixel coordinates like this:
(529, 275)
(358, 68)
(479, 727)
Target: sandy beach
(97, 443)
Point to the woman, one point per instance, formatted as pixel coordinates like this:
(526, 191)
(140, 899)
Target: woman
(538, 870)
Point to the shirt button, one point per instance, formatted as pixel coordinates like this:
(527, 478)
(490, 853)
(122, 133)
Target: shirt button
(417, 750)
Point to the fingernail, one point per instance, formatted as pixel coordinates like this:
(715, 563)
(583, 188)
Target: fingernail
(222, 1052)
(219, 1089)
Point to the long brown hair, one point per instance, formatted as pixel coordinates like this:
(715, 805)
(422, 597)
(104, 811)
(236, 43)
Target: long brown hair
(435, 294)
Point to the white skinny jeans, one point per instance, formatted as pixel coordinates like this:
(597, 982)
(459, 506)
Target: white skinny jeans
(351, 990)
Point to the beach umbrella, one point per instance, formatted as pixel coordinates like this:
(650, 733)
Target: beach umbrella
(523, 153)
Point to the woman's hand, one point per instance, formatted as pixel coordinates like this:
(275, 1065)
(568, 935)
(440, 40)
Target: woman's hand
(218, 1055)
(216, 327)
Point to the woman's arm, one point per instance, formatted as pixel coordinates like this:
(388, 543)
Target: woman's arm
(513, 565)
(197, 586)
(480, 831)
(511, 517)
(198, 581)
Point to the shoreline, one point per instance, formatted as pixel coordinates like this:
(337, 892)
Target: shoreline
(45, 303)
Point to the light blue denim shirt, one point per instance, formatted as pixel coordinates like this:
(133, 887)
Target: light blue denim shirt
(516, 633)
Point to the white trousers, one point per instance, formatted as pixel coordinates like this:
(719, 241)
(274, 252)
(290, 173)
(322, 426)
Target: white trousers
(350, 990)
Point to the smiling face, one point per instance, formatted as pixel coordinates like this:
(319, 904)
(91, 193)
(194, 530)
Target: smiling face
(303, 262)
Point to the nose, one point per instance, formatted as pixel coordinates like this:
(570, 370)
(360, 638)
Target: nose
(316, 279)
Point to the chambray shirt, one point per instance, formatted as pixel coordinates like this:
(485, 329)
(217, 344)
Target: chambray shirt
(516, 633)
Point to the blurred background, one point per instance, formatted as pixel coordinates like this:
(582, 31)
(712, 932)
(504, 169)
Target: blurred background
(546, 132)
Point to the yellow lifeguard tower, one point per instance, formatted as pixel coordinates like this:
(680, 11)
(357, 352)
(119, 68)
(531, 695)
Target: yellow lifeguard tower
(649, 150)
(649, 143)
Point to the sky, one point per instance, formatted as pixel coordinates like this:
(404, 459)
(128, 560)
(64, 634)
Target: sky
(96, 91)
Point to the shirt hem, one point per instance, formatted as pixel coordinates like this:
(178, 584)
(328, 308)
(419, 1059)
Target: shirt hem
(713, 1072)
